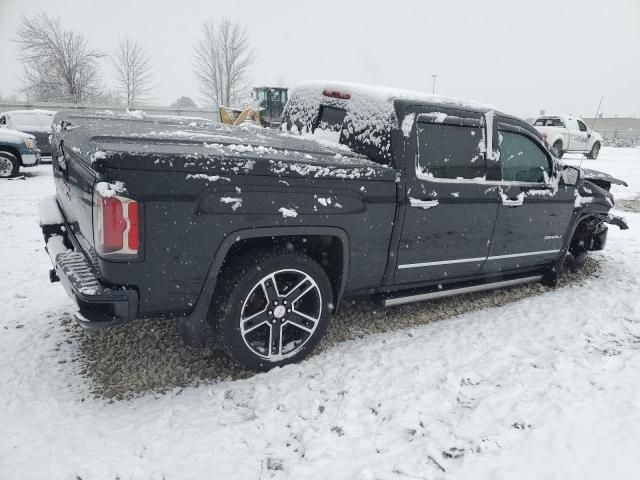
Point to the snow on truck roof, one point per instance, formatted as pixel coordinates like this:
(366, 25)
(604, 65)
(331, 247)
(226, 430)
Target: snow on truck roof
(386, 94)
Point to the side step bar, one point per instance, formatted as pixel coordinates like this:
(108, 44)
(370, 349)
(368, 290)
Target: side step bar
(391, 302)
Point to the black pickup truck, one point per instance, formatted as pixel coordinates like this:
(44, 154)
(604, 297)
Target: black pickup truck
(254, 236)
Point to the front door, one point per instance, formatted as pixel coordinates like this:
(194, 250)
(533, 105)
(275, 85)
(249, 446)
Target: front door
(577, 137)
(450, 212)
(535, 212)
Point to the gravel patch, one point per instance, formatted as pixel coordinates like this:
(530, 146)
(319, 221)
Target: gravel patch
(149, 356)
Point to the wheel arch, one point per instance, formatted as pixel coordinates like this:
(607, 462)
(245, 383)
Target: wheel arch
(558, 138)
(275, 236)
(581, 221)
(12, 150)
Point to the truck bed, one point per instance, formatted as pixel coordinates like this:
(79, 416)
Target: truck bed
(125, 142)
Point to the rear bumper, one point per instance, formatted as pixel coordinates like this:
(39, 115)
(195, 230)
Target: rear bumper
(99, 305)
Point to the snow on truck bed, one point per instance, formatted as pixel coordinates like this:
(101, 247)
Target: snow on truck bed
(161, 144)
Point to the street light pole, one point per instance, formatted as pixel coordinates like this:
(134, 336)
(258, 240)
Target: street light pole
(433, 88)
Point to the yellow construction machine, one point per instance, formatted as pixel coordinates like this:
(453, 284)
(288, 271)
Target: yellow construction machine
(268, 105)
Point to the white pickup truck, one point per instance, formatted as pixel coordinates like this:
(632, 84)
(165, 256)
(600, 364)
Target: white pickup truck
(566, 133)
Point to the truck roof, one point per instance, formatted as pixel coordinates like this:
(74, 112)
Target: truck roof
(33, 110)
(561, 115)
(366, 115)
(384, 94)
(158, 143)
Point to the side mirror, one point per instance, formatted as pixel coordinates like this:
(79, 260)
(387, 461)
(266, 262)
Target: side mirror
(569, 176)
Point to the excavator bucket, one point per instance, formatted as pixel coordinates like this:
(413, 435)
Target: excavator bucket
(236, 116)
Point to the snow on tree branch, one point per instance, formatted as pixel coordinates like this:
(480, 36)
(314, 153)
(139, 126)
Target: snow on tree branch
(133, 71)
(223, 56)
(58, 64)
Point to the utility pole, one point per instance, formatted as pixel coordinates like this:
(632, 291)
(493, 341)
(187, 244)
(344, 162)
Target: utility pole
(433, 87)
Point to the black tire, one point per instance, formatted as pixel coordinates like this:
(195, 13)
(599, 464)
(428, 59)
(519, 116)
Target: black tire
(265, 316)
(595, 151)
(9, 165)
(557, 149)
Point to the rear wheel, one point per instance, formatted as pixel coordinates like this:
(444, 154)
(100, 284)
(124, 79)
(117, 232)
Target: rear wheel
(557, 149)
(272, 310)
(9, 165)
(595, 150)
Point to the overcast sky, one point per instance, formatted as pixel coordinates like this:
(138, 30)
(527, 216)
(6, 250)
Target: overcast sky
(560, 56)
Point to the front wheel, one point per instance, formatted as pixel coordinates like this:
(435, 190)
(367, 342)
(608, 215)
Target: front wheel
(9, 165)
(595, 150)
(272, 309)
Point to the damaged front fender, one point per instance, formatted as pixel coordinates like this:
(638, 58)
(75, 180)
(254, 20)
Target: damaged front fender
(601, 178)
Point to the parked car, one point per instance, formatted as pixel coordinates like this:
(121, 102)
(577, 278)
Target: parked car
(255, 236)
(17, 149)
(35, 122)
(568, 134)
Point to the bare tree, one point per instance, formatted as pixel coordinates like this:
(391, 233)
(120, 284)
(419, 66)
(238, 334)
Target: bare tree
(133, 71)
(58, 63)
(223, 57)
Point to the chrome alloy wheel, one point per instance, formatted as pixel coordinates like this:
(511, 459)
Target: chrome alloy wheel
(280, 314)
(6, 167)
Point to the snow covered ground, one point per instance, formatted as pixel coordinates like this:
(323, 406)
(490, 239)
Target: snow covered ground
(545, 387)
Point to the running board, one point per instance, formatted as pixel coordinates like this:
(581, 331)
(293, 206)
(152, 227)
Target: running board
(391, 302)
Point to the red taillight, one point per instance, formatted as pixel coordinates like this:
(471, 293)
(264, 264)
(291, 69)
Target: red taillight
(133, 225)
(115, 223)
(335, 94)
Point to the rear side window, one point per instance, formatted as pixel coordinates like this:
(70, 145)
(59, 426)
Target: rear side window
(331, 118)
(549, 122)
(521, 159)
(450, 151)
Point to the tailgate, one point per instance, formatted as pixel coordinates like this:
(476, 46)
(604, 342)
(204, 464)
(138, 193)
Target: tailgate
(75, 179)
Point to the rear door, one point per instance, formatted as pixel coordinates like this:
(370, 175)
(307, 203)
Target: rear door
(535, 212)
(449, 213)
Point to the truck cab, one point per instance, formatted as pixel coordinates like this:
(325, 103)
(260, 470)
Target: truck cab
(363, 191)
(568, 134)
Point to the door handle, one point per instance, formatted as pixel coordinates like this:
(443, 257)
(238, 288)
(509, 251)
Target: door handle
(424, 204)
(512, 202)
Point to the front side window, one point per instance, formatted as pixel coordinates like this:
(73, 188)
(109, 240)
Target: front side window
(582, 126)
(521, 159)
(450, 151)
